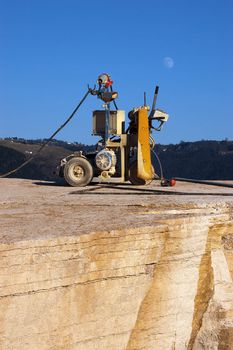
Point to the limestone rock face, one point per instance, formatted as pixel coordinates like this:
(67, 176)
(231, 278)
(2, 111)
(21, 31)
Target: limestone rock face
(115, 268)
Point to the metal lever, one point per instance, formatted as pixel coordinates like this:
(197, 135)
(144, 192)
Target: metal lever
(154, 102)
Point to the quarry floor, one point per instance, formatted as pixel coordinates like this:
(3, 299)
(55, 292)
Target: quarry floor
(32, 209)
(115, 267)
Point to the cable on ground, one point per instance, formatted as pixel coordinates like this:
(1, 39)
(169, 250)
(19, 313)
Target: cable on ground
(204, 182)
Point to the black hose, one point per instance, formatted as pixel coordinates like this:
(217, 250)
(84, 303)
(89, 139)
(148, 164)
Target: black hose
(47, 141)
(181, 179)
(204, 182)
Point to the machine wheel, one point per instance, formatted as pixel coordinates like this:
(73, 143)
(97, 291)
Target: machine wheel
(78, 172)
(133, 176)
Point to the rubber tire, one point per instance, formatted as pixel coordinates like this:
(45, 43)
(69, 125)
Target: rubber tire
(86, 167)
(133, 176)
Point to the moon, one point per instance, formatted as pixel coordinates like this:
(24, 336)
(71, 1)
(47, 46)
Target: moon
(168, 62)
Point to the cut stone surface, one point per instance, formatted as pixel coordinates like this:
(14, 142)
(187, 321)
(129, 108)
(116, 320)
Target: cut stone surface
(115, 267)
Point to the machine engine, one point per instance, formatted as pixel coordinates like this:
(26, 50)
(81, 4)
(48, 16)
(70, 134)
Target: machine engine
(106, 160)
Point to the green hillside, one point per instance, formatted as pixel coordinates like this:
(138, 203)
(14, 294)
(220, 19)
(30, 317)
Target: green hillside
(198, 160)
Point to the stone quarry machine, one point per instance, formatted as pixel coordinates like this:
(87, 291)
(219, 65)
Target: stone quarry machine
(122, 154)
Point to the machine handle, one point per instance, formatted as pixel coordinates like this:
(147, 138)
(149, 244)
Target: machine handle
(154, 101)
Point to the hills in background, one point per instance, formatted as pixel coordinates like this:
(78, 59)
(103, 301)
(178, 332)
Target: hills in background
(212, 160)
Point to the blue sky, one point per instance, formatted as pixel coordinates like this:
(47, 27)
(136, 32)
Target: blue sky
(51, 50)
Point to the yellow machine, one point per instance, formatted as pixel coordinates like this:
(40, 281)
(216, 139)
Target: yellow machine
(121, 155)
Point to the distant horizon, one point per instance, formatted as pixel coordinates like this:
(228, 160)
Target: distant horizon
(93, 144)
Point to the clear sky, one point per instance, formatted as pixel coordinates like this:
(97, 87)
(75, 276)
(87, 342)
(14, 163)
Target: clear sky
(51, 49)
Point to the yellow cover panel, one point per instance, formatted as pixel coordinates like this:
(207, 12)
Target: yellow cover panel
(144, 158)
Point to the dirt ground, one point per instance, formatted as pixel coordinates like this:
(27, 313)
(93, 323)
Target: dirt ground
(35, 209)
